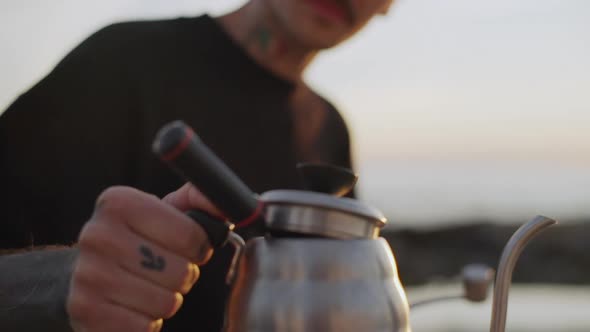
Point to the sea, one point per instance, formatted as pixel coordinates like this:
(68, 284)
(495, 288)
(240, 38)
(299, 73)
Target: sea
(432, 194)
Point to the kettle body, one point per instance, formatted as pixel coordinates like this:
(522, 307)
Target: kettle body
(317, 285)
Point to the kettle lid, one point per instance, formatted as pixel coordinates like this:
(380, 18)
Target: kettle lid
(320, 214)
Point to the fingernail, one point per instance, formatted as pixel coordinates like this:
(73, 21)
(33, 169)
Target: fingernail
(177, 303)
(196, 273)
(99, 201)
(205, 252)
(156, 326)
(191, 278)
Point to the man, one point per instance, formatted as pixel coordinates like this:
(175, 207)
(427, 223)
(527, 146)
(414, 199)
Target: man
(88, 126)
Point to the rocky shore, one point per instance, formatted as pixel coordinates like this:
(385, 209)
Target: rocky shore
(559, 255)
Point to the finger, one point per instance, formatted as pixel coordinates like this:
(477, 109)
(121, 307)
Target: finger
(140, 257)
(188, 197)
(152, 219)
(125, 289)
(89, 314)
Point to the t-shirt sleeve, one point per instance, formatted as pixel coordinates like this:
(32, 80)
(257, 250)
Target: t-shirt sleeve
(54, 135)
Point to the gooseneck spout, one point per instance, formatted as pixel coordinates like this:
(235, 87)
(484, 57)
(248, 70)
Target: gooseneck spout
(510, 255)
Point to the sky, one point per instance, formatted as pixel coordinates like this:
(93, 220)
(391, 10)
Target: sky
(457, 107)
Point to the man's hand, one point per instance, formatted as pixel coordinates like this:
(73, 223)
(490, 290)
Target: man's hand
(138, 255)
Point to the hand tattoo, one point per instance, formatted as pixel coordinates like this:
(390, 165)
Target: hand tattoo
(151, 261)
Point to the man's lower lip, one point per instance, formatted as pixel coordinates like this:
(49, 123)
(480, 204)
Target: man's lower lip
(327, 9)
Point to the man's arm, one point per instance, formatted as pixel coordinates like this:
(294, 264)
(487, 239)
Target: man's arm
(33, 289)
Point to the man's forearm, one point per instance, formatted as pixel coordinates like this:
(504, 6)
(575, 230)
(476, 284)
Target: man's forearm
(33, 290)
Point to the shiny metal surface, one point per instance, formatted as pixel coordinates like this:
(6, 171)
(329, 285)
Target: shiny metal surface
(510, 255)
(320, 214)
(326, 201)
(317, 285)
(320, 222)
(238, 243)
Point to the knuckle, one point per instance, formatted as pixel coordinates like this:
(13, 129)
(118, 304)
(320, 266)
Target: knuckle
(103, 282)
(154, 326)
(112, 200)
(92, 273)
(94, 237)
(79, 306)
(82, 275)
(89, 234)
(192, 242)
(78, 273)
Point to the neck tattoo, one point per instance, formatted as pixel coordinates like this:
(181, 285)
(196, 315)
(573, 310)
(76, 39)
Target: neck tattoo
(263, 37)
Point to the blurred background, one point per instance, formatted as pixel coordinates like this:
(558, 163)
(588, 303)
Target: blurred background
(468, 118)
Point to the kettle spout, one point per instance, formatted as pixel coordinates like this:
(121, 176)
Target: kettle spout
(510, 255)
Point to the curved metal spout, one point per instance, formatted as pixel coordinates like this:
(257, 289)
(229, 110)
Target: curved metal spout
(508, 260)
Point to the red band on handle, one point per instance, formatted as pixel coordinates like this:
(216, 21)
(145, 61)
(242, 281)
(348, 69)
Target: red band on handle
(171, 155)
(248, 221)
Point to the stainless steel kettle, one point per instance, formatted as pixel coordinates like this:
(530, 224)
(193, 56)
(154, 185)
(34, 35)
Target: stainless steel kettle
(322, 265)
(344, 278)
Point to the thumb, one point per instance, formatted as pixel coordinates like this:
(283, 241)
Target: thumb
(189, 198)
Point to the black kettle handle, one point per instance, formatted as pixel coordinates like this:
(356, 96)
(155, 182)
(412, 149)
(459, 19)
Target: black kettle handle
(178, 145)
(217, 230)
(219, 233)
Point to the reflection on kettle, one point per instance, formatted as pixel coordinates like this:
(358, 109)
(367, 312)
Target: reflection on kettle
(322, 265)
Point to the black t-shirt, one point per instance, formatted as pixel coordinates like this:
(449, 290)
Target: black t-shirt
(90, 124)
